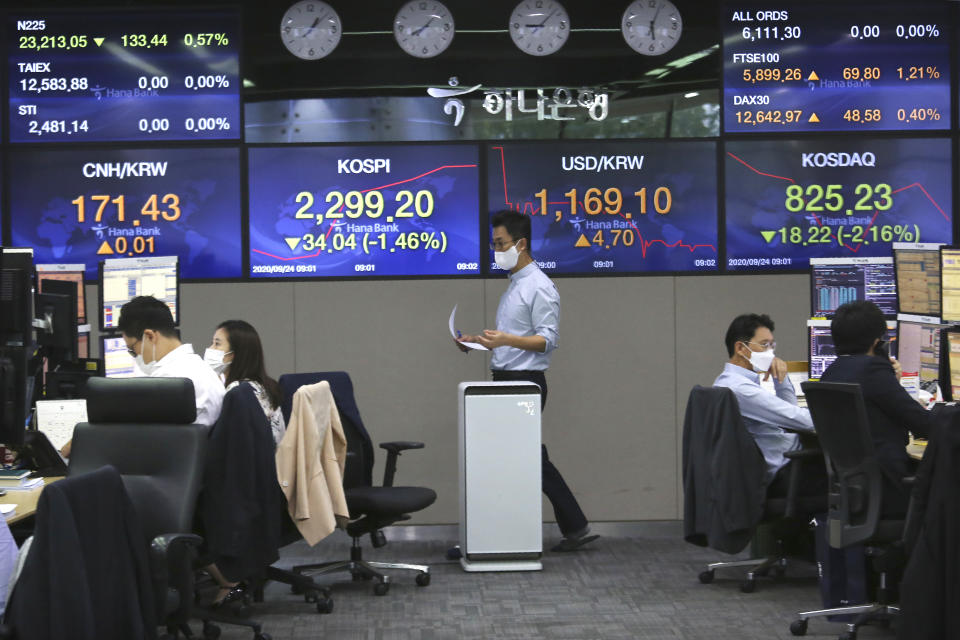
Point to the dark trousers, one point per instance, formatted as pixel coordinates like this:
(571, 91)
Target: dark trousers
(568, 513)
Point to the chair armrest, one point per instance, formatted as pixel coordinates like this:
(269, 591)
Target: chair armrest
(401, 445)
(797, 457)
(171, 556)
(393, 452)
(803, 454)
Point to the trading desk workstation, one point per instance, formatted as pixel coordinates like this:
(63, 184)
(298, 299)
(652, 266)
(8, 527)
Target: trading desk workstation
(328, 171)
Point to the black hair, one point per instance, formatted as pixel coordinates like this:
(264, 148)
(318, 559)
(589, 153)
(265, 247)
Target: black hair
(516, 224)
(856, 325)
(743, 327)
(248, 362)
(146, 312)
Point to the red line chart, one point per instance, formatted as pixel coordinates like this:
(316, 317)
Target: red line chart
(876, 212)
(384, 186)
(524, 207)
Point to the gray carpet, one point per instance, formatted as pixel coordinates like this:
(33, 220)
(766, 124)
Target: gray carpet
(620, 587)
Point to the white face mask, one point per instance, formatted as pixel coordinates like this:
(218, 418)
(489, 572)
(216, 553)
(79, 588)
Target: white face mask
(507, 260)
(148, 368)
(762, 360)
(214, 358)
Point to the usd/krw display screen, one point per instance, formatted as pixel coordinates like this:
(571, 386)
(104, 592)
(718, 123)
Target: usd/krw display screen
(90, 204)
(611, 207)
(789, 201)
(836, 67)
(410, 210)
(123, 75)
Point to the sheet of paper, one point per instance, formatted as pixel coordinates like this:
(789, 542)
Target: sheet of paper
(796, 377)
(56, 419)
(454, 333)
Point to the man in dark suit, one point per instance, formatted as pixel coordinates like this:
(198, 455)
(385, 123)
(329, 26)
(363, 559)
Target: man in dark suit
(859, 334)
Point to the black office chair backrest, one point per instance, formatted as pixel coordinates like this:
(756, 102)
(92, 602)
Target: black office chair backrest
(141, 400)
(358, 471)
(161, 463)
(840, 418)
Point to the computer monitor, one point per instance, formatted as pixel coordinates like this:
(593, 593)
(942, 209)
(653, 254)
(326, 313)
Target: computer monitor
(917, 265)
(950, 363)
(56, 311)
(65, 273)
(919, 352)
(16, 336)
(950, 284)
(834, 281)
(822, 351)
(123, 279)
(117, 361)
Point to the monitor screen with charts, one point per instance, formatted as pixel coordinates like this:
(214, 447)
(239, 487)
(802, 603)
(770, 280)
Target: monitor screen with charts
(950, 284)
(123, 279)
(822, 350)
(950, 363)
(919, 352)
(117, 361)
(917, 266)
(834, 281)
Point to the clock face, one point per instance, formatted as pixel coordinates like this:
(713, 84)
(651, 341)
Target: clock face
(310, 29)
(423, 28)
(539, 27)
(651, 27)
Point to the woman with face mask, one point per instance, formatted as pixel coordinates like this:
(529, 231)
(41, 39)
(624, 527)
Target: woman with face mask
(236, 355)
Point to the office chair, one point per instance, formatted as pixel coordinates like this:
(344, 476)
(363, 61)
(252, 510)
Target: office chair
(241, 507)
(855, 497)
(143, 427)
(371, 508)
(87, 573)
(719, 452)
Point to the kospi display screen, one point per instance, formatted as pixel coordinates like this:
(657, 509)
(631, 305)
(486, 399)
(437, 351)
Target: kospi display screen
(85, 205)
(611, 207)
(789, 201)
(399, 210)
(836, 67)
(123, 75)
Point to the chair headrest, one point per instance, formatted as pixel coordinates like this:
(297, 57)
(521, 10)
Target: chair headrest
(139, 400)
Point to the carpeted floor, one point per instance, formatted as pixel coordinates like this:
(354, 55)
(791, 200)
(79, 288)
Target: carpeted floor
(622, 586)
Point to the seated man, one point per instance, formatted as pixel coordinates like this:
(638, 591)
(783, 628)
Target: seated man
(859, 332)
(766, 416)
(146, 325)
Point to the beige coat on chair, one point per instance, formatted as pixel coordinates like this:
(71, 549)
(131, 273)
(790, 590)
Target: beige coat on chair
(310, 461)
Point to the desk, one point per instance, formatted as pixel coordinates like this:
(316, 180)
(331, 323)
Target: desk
(26, 501)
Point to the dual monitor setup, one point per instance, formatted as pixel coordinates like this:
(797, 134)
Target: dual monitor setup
(44, 330)
(918, 290)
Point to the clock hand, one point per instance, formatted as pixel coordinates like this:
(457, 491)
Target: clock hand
(312, 26)
(542, 24)
(653, 33)
(418, 31)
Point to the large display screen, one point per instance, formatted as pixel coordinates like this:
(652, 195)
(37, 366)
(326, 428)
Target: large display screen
(789, 201)
(402, 210)
(123, 75)
(836, 67)
(91, 204)
(611, 207)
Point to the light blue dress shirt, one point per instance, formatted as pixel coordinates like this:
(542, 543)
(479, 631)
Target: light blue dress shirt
(530, 306)
(765, 415)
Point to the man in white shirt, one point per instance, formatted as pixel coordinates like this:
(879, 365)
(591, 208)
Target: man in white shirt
(772, 419)
(147, 328)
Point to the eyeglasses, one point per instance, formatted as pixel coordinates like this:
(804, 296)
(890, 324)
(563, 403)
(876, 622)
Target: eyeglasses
(500, 246)
(133, 354)
(766, 345)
